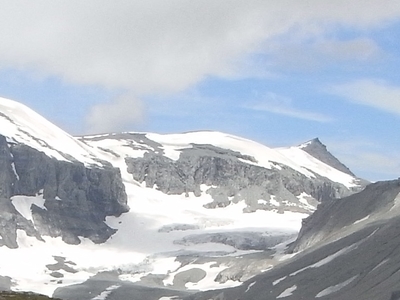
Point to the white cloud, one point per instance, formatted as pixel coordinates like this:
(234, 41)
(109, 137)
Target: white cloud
(374, 93)
(158, 46)
(115, 116)
(367, 157)
(288, 54)
(277, 104)
(355, 49)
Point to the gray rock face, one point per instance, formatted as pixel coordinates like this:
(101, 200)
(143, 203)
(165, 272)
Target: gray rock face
(77, 198)
(10, 221)
(336, 218)
(355, 257)
(318, 150)
(233, 178)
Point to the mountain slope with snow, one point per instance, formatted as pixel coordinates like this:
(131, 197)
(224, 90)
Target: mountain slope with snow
(348, 249)
(207, 210)
(19, 124)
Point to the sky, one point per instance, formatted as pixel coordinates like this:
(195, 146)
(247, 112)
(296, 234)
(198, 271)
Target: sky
(278, 72)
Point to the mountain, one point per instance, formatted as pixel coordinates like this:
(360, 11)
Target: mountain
(348, 249)
(56, 186)
(318, 150)
(147, 214)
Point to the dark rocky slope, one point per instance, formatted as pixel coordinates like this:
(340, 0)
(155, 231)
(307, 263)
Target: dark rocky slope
(378, 202)
(77, 198)
(354, 257)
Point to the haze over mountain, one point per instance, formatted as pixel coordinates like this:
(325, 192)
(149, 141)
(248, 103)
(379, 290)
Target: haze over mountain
(111, 215)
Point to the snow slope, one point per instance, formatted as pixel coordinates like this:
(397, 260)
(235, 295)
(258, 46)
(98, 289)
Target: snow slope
(21, 124)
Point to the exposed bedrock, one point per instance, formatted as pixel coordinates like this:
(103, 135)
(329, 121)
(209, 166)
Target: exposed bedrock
(233, 177)
(337, 218)
(77, 198)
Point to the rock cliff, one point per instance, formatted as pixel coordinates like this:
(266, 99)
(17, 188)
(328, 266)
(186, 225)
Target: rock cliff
(233, 177)
(77, 197)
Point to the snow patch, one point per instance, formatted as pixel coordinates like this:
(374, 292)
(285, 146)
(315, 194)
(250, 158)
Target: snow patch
(361, 220)
(273, 201)
(15, 171)
(380, 264)
(23, 204)
(249, 286)
(304, 198)
(205, 284)
(288, 292)
(104, 295)
(335, 255)
(20, 124)
(327, 259)
(335, 288)
(279, 280)
(396, 202)
(308, 162)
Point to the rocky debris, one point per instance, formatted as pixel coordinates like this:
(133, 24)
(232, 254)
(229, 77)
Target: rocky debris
(61, 265)
(77, 198)
(193, 275)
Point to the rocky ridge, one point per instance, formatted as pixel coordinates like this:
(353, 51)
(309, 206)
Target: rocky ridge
(231, 175)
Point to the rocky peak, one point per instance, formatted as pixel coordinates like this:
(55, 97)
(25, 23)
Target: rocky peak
(318, 150)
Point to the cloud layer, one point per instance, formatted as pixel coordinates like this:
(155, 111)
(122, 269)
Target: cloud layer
(371, 92)
(156, 47)
(280, 105)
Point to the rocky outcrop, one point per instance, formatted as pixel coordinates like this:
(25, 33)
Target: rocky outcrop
(77, 197)
(318, 150)
(337, 218)
(233, 177)
(350, 251)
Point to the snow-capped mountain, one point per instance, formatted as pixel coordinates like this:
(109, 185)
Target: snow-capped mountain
(148, 214)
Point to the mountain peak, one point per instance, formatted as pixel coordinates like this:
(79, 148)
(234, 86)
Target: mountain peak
(318, 150)
(314, 142)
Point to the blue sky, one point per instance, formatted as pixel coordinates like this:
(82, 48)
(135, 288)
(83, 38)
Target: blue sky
(278, 72)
